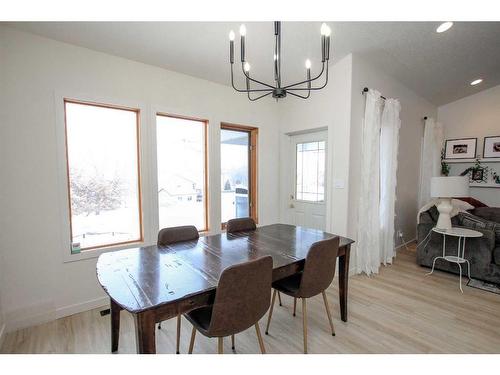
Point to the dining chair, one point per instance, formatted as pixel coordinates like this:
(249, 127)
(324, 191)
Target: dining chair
(240, 225)
(167, 236)
(243, 224)
(318, 273)
(242, 298)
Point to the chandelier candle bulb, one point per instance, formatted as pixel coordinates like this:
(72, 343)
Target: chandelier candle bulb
(324, 29)
(308, 67)
(247, 70)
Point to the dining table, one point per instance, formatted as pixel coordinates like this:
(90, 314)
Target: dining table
(156, 283)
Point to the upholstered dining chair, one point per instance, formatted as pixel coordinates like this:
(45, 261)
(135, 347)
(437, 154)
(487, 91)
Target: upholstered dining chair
(167, 236)
(240, 225)
(241, 300)
(318, 273)
(243, 224)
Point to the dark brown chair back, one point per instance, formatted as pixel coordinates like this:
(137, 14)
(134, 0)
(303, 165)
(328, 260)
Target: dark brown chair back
(319, 268)
(171, 235)
(242, 297)
(240, 225)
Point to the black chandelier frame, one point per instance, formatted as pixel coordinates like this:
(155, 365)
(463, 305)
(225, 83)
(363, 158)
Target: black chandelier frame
(277, 90)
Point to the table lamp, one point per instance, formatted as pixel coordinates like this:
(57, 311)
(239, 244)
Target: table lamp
(446, 188)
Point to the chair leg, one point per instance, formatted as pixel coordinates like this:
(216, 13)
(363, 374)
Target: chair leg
(178, 343)
(279, 298)
(232, 342)
(304, 323)
(328, 313)
(259, 337)
(294, 305)
(271, 312)
(221, 345)
(191, 343)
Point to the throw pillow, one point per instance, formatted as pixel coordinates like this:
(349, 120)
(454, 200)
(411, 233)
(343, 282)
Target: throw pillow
(476, 222)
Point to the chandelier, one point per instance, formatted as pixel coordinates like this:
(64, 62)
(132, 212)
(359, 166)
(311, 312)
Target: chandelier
(300, 89)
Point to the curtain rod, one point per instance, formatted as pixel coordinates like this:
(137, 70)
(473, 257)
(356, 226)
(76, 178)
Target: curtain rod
(366, 90)
(383, 97)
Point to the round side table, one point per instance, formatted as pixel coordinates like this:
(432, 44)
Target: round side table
(462, 234)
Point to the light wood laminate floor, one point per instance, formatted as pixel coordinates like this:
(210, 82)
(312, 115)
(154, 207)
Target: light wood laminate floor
(400, 310)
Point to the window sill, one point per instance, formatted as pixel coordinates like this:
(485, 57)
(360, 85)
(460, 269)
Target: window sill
(94, 253)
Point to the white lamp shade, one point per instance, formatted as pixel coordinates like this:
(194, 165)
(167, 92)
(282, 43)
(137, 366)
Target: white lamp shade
(449, 187)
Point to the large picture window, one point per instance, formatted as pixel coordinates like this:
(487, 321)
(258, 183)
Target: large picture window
(182, 179)
(102, 149)
(238, 172)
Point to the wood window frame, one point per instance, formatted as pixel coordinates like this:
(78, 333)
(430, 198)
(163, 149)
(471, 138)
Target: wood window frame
(253, 175)
(137, 112)
(205, 162)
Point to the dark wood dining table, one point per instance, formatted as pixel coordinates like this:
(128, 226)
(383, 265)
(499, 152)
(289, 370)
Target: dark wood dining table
(158, 283)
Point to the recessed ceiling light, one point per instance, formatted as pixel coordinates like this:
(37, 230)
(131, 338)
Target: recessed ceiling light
(444, 26)
(476, 82)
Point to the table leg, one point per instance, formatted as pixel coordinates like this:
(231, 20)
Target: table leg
(115, 325)
(145, 333)
(343, 282)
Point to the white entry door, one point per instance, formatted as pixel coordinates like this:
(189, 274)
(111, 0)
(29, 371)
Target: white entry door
(308, 180)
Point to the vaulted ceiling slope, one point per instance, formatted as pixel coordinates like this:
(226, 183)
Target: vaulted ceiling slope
(439, 67)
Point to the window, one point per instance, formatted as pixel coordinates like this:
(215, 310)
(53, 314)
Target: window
(182, 179)
(238, 172)
(310, 178)
(102, 150)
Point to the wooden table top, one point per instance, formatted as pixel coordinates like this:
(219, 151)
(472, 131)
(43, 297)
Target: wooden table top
(142, 278)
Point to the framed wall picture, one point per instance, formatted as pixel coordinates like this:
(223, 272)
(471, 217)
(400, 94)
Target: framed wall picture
(491, 147)
(464, 148)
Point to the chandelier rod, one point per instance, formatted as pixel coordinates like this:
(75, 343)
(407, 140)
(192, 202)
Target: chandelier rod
(242, 90)
(299, 96)
(277, 53)
(312, 88)
(254, 80)
(308, 80)
(258, 97)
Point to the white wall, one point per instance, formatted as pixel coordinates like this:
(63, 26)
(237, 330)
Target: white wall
(474, 116)
(413, 109)
(33, 72)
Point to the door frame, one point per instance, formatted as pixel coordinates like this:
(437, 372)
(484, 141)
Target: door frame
(252, 163)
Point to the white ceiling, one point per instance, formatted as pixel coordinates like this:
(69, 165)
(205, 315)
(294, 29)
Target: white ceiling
(439, 67)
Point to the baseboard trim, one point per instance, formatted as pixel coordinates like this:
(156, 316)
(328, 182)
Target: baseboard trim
(21, 319)
(2, 334)
(81, 307)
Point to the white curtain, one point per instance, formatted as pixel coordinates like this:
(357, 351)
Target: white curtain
(389, 141)
(431, 158)
(380, 139)
(368, 239)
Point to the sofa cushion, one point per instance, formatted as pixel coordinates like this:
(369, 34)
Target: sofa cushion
(476, 222)
(496, 256)
(434, 213)
(488, 213)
